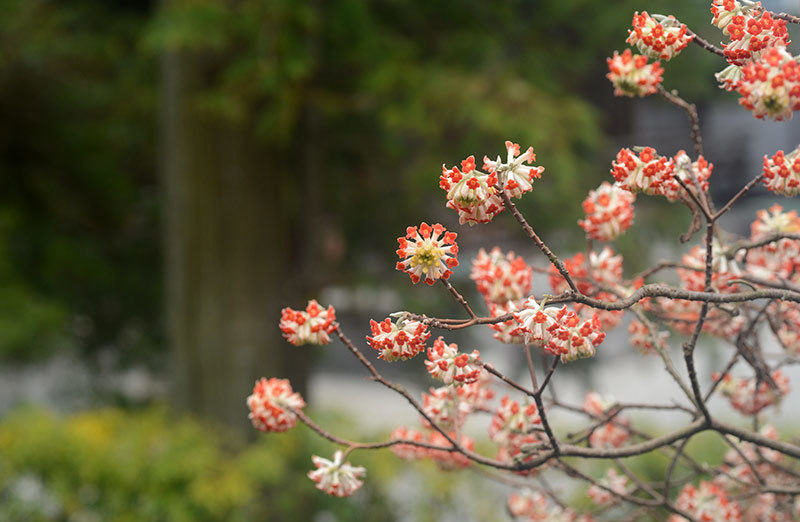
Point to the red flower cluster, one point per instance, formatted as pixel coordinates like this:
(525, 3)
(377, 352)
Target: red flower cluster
(444, 458)
(401, 340)
(770, 85)
(610, 434)
(516, 177)
(512, 424)
(707, 501)
(693, 174)
(501, 278)
(750, 29)
(643, 172)
(311, 326)
(427, 253)
(749, 398)
(632, 75)
(471, 193)
(447, 364)
(271, 404)
(560, 331)
(782, 172)
(658, 36)
(609, 212)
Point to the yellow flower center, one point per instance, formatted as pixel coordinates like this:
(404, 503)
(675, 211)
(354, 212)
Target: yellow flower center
(428, 255)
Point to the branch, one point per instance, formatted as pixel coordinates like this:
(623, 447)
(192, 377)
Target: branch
(747, 245)
(787, 17)
(705, 44)
(691, 112)
(556, 262)
(458, 297)
(738, 195)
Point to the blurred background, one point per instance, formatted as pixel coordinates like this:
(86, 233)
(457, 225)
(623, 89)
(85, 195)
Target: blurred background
(174, 173)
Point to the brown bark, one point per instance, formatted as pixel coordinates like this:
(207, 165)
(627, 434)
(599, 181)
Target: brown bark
(226, 254)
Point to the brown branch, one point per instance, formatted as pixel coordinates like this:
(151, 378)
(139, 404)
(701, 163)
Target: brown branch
(458, 297)
(402, 391)
(672, 465)
(747, 245)
(737, 196)
(531, 370)
(792, 19)
(491, 369)
(747, 461)
(691, 112)
(364, 445)
(705, 44)
(756, 438)
(556, 262)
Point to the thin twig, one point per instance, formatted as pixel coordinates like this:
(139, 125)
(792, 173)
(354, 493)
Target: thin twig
(556, 262)
(737, 196)
(691, 112)
(705, 44)
(458, 297)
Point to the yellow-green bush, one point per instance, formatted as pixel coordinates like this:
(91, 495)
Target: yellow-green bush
(118, 466)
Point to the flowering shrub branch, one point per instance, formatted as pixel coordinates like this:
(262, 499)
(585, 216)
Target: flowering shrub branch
(735, 290)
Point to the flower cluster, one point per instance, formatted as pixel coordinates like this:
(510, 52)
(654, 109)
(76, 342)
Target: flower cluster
(611, 480)
(613, 433)
(471, 192)
(777, 260)
(609, 212)
(782, 172)
(693, 174)
(271, 405)
(769, 507)
(737, 471)
(409, 451)
(643, 172)
(632, 75)
(750, 29)
(770, 85)
(501, 278)
(444, 458)
(683, 315)
(707, 501)
(427, 253)
(723, 271)
(511, 423)
(476, 394)
(658, 36)
(774, 220)
(785, 319)
(645, 340)
(515, 176)
(560, 331)
(401, 340)
(445, 407)
(531, 506)
(725, 10)
(447, 458)
(750, 397)
(336, 477)
(309, 326)
(447, 364)
(508, 332)
(603, 269)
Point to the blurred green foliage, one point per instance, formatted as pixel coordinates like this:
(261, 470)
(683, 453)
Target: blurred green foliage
(77, 184)
(119, 466)
(378, 94)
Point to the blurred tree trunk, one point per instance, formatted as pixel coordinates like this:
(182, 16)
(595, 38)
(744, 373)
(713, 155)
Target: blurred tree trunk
(228, 254)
